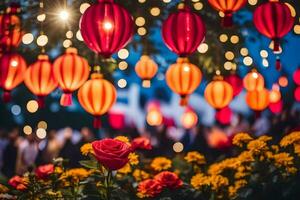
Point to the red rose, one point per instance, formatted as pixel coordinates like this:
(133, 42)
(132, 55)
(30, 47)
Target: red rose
(18, 183)
(44, 171)
(169, 180)
(149, 188)
(111, 153)
(141, 143)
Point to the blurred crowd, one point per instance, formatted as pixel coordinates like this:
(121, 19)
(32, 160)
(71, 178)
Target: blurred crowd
(19, 152)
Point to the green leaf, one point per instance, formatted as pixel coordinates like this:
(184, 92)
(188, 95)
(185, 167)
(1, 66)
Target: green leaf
(91, 164)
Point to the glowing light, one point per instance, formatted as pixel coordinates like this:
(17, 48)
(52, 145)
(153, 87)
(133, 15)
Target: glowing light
(32, 106)
(140, 21)
(202, 48)
(142, 1)
(244, 51)
(255, 75)
(41, 133)
(265, 62)
(67, 43)
(14, 63)
(248, 61)
(15, 109)
(234, 39)
(123, 54)
(69, 34)
(107, 26)
(189, 119)
(228, 65)
(229, 55)
(142, 31)
(41, 17)
(186, 68)
(27, 130)
(252, 2)
(297, 29)
(155, 11)
(79, 36)
(42, 124)
(223, 38)
(42, 40)
(83, 7)
(178, 147)
(283, 81)
(264, 53)
(122, 83)
(27, 38)
(198, 6)
(154, 118)
(166, 1)
(123, 65)
(64, 15)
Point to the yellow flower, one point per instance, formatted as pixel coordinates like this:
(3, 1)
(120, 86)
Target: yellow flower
(195, 157)
(87, 149)
(218, 181)
(292, 138)
(140, 175)
(56, 194)
(275, 148)
(123, 139)
(297, 149)
(265, 138)
(58, 170)
(161, 163)
(125, 170)
(291, 170)
(241, 138)
(246, 156)
(76, 174)
(237, 185)
(229, 163)
(257, 146)
(283, 159)
(3, 189)
(199, 180)
(133, 159)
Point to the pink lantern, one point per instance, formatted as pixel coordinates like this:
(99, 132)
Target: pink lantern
(296, 76)
(224, 115)
(276, 107)
(236, 82)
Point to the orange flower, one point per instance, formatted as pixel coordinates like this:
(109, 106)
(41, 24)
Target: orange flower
(149, 188)
(169, 180)
(18, 182)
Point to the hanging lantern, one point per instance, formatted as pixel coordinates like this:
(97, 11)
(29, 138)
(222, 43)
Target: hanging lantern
(10, 28)
(97, 96)
(218, 139)
(146, 69)
(224, 115)
(296, 76)
(283, 81)
(154, 117)
(297, 94)
(258, 100)
(276, 108)
(183, 78)
(228, 7)
(254, 81)
(183, 31)
(274, 20)
(218, 93)
(106, 27)
(275, 94)
(236, 82)
(71, 71)
(189, 119)
(39, 78)
(12, 68)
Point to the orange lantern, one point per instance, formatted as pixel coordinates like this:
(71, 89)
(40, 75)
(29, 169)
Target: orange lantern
(146, 69)
(218, 93)
(275, 94)
(71, 71)
(39, 78)
(183, 78)
(97, 96)
(258, 100)
(189, 119)
(12, 69)
(254, 81)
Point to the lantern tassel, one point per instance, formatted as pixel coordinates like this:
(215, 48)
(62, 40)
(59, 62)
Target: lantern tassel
(97, 122)
(227, 20)
(146, 83)
(184, 100)
(41, 101)
(257, 114)
(276, 47)
(6, 97)
(278, 63)
(66, 99)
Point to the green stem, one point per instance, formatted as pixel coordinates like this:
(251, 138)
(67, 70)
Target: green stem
(108, 181)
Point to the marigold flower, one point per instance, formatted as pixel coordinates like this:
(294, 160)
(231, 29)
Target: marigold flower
(232, 190)
(246, 156)
(123, 139)
(283, 159)
(199, 180)
(218, 181)
(297, 149)
(125, 170)
(265, 138)
(133, 159)
(292, 170)
(140, 175)
(169, 180)
(75, 174)
(291, 138)
(87, 149)
(149, 188)
(241, 138)
(257, 146)
(161, 163)
(195, 157)
(3, 189)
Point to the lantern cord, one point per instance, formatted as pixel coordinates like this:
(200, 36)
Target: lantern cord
(42, 23)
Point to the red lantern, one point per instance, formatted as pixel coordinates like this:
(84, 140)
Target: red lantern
(12, 68)
(258, 100)
(183, 32)
(224, 115)
(274, 20)
(106, 27)
(10, 29)
(146, 69)
(297, 94)
(183, 78)
(276, 107)
(228, 7)
(71, 71)
(218, 93)
(296, 76)
(39, 78)
(254, 81)
(97, 96)
(236, 82)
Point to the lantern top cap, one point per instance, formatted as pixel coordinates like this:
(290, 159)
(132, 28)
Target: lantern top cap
(145, 57)
(96, 76)
(218, 78)
(72, 50)
(43, 57)
(182, 60)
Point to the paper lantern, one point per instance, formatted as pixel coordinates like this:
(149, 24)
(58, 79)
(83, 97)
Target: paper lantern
(97, 96)
(189, 119)
(274, 20)
(296, 76)
(218, 139)
(116, 119)
(275, 94)
(12, 68)
(224, 115)
(146, 69)
(258, 100)
(236, 83)
(183, 78)
(228, 7)
(39, 78)
(276, 108)
(183, 31)
(154, 117)
(106, 27)
(71, 71)
(218, 93)
(283, 81)
(297, 94)
(254, 81)
(10, 29)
